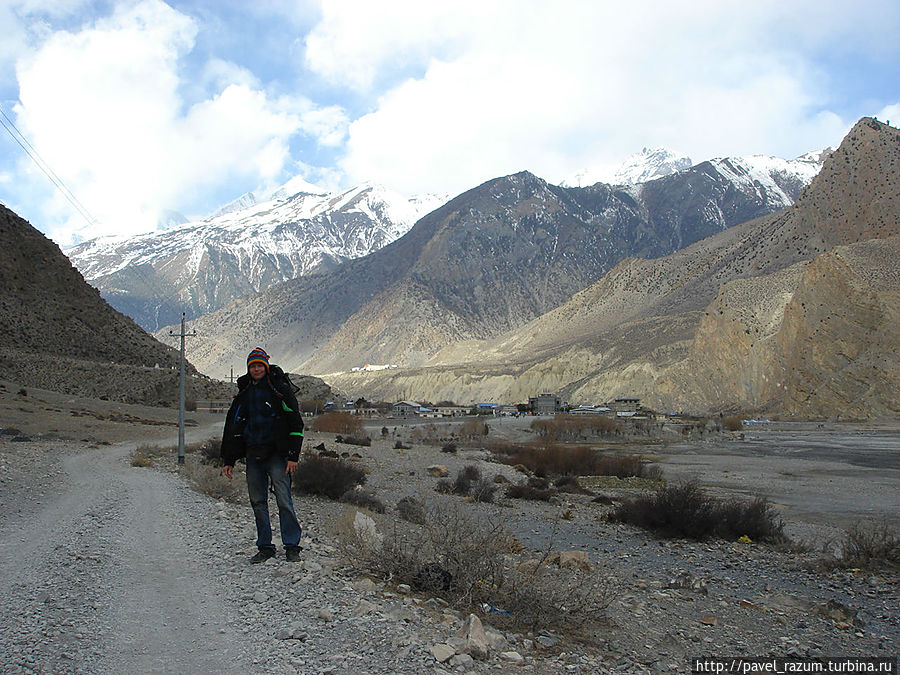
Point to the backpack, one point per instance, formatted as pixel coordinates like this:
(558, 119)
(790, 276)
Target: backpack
(287, 380)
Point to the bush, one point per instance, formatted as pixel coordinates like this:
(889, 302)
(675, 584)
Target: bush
(686, 511)
(354, 440)
(399, 446)
(326, 476)
(473, 428)
(338, 423)
(732, 423)
(364, 499)
(525, 491)
(449, 447)
(469, 483)
(143, 457)
(210, 451)
(468, 560)
(575, 427)
(483, 490)
(210, 481)
(554, 460)
(412, 510)
(871, 546)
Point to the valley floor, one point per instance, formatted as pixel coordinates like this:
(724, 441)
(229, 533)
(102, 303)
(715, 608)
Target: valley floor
(110, 568)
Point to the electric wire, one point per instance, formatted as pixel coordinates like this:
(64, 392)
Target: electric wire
(45, 168)
(161, 296)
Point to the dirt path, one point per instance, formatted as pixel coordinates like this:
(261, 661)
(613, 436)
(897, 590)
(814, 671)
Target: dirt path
(106, 570)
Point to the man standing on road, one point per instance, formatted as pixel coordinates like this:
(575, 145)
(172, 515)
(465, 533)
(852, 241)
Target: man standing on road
(264, 425)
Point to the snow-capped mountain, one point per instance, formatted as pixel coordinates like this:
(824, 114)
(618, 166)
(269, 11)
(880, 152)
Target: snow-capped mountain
(772, 173)
(646, 165)
(249, 245)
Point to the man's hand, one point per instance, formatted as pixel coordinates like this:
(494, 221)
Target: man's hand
(228, 472)
(291, 467)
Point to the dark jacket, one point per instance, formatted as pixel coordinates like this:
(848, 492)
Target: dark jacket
(288, 422)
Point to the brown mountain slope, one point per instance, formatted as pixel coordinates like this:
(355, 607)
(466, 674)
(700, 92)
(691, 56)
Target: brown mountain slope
(486, 262)
(59, 334)
(768, 315)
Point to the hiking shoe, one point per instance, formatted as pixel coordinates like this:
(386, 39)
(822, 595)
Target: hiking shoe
(292, 555)
(262, 555)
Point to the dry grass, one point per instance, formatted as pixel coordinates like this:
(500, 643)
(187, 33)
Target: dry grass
(471, 561)
(147, 455)
(210, 481)
(867, 545)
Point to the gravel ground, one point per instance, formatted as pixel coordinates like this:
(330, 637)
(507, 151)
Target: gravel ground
(110, 568)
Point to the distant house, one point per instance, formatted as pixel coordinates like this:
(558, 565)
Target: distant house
(406, 409)
(451, 411)
(621, 405)
(214, 406)
(488, 409)
(545, 404)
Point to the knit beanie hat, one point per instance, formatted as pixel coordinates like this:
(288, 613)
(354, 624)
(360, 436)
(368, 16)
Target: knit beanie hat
(258, 355)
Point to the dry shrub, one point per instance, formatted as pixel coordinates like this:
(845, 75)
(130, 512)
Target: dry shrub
(526, 491)
(142, 458)
(210, 481)
(365, 499)
(871, 546)
(687, 511)
(412, 510)
(354, 440)
(732, 423)
(326, 476)
(555, 460)
(146, 455)
(470, 560)
(210, 451)
(338, 423)
(575, 427)
(469, 483)
(542, 596)
(473, 428)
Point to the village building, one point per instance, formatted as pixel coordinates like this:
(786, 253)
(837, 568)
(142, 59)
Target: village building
(406, 409)
(545, 404)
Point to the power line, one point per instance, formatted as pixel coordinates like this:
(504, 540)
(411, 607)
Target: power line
(41, 164)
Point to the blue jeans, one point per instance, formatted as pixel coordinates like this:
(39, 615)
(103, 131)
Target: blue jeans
(259, 475)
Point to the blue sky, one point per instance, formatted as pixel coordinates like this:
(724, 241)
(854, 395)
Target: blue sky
(140, 106)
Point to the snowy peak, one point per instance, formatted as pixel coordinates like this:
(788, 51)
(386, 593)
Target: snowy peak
(650, 164)
(249, 245)
(644, 166)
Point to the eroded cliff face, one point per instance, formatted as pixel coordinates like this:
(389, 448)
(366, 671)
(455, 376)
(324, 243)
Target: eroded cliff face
(839, 343)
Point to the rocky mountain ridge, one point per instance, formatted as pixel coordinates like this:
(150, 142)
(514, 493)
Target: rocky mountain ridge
(59, 334)
(246, 247)
(486, 262)
(793, 313)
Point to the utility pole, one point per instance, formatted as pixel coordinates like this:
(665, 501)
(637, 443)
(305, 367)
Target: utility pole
(182, 335)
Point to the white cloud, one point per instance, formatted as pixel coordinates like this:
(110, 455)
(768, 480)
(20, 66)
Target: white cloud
(890, 114)
(505, 86)
(104, 106)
